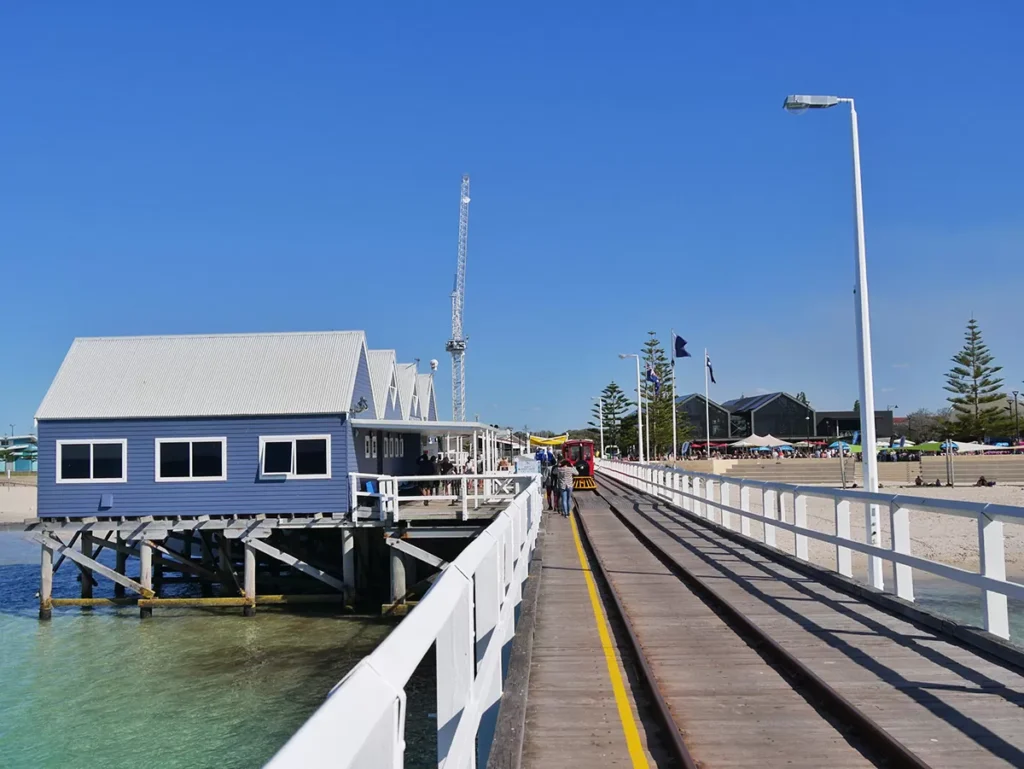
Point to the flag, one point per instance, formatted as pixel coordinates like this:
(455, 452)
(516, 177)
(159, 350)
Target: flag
(903, 441)
(856, 438)
(685, 448)
(654, 379)
(680, 347)
(711, 371)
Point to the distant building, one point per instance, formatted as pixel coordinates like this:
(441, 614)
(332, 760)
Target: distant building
(25, 446)
(693, 406)
(832, 423)
(778, 414)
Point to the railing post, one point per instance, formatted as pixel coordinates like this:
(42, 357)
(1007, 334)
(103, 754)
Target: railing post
(696, 488)
(745, 507)
(844, 557)
(454, 654)
(686, 487)
(800, 521)
(353, 496)
(770, 511)
(709, 499)
(677, 498)
(726, 494)
(465, 498)
(899, 526)
(993, 565)
(487, 605)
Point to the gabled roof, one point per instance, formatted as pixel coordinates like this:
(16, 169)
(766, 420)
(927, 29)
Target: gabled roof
(425, 393)
(406, 387)
(206, 375)
(699, 396)
(755, 402)
(382, 373)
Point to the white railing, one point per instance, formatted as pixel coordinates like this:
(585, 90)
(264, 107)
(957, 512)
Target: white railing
(468, 615)
(467, 491)
(695, 493)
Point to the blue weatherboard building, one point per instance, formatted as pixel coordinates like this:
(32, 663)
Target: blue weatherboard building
(233, 424)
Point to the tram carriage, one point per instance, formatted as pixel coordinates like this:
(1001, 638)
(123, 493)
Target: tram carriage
(581, 454)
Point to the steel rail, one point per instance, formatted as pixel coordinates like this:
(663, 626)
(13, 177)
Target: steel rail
(671, 733)
(873, 735)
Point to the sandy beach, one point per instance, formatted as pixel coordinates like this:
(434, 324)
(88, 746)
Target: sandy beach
(17, 500)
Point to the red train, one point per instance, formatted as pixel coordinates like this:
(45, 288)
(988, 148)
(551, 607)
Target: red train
(581, 453)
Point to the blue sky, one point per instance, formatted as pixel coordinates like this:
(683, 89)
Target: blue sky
(215, 167)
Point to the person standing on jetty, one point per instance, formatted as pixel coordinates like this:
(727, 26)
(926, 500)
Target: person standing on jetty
(565, 472)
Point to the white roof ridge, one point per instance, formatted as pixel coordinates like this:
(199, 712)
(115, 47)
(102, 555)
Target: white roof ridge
(226, 334)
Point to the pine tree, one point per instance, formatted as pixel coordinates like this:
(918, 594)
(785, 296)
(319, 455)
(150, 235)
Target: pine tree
(975, 388)
(616, 406)
(661, 404)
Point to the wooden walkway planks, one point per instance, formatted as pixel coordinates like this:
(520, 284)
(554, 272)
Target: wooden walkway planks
(733, 708)
(951, 707)
(571, 717)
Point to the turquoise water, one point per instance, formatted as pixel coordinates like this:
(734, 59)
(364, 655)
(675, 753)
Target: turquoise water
(187, 688)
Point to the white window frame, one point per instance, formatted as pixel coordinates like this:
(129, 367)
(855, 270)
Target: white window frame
(265, 439)
(373, 443)
(93, 442)
(401, 446)
(223, 459)
(366, 446)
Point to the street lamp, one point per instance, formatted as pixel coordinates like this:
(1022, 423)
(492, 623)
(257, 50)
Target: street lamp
(600, 419)
(1017, 420)
(639, 407)
(800, 103)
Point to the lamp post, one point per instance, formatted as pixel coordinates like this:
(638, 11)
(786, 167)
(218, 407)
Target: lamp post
(800, 103)
(639, 407)
(1016, 419)
(600, 419)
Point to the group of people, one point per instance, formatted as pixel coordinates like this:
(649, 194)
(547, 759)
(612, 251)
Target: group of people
(557, 475)
(442, 464)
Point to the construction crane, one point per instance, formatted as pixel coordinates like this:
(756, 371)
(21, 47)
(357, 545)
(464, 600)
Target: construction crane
(457, 344)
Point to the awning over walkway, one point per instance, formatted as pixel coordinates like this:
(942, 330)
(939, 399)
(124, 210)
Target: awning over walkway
(424, 426)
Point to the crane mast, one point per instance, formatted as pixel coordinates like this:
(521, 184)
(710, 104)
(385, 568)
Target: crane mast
(457, 344)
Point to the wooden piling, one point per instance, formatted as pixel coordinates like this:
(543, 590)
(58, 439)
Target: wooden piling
(397, 575)
(88, 551)
(46, 583)
(348, 563)
(120, 565)
(145, 574)
(249, 608)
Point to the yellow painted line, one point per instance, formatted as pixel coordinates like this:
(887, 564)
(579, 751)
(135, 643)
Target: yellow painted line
(632, 734)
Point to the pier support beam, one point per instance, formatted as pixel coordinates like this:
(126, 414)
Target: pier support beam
(249, 609)
(46, 583)
(397, 575)
(146, 574)
(348, 563)
(120, 564)
(86, 573)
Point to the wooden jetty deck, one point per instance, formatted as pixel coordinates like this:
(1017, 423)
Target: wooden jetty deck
(918, 695)
(580, 710)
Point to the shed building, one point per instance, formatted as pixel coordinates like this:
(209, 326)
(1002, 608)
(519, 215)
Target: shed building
(778, 414)
(208, 424)
(693, 406)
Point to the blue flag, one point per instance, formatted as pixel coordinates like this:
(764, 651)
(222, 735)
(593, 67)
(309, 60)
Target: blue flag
(654, 379)
(856, 437)
(680, 347)
(711, 371)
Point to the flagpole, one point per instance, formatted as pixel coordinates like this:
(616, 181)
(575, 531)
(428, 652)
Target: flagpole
(707, 405)
(673, 396)
(647, 431)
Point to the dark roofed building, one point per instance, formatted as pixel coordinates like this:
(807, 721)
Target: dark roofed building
(694, 407)
(832, 423)
(778, 414)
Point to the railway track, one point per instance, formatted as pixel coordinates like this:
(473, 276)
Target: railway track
(726, 681)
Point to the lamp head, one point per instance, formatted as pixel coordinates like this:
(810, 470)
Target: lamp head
(798, 103)
(623, 355)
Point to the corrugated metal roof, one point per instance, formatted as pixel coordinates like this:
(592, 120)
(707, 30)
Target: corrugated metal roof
(425, 393)
(406, 387)
(382, 369)
(206, 375)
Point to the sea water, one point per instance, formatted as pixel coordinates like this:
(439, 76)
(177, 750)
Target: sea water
(186, 688)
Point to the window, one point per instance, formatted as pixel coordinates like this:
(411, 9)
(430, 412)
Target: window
(401, 446)
(99, 461)
(191, 459)
(366, 446)
(374, 445)
(296, 456)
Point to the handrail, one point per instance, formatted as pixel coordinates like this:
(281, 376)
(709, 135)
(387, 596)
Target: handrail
(468, 615)
(474, 489)
(694, 492)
